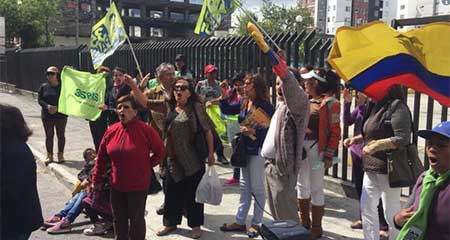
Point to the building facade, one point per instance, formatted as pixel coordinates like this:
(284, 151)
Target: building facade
(143, 19)
(338, 14)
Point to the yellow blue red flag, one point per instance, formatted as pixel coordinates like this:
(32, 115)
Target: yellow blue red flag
(375, 57)
(212, 14)
(106, 36)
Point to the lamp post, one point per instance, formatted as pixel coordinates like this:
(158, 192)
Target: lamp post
(298, 20)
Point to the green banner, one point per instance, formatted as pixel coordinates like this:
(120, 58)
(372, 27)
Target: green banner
(106, 36)
(215, 114)
(81, 93)
(212, 14)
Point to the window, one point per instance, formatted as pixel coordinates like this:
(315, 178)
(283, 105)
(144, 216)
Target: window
(402, 7)
(156, 32)
(402, 16)
(196, 2)
(177, 16)
(347, 9)
(333, 19)
(328, 19)
(386, 13)
(156, 14)
(386, 4)
(334, 7)
(135, 31)
(347, 20)
(375, 13)
(328, 8)
(134, 12)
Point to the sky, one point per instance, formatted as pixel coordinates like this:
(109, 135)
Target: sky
(251, 4)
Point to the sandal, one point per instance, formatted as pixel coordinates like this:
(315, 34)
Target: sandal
(253, 231)
(165, 230)
(234, 227)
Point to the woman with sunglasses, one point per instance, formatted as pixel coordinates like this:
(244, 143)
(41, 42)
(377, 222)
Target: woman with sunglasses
(48, 97)
(256, 95)
(321, 142)
(184, 167)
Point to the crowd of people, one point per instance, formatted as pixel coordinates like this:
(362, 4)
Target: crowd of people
(157, 122)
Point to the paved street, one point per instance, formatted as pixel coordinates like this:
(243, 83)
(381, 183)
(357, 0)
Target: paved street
(340, 210)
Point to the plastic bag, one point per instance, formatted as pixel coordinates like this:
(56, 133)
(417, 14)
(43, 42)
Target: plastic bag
(209, 189)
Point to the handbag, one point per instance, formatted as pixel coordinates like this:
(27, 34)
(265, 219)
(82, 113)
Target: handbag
(403, 164)
(239, 157)
(200, 144)
(284, 230)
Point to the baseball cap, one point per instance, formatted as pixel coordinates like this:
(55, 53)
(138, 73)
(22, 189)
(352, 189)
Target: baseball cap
(442, 129)
(313, 74)
(53, 69)
(210, 68)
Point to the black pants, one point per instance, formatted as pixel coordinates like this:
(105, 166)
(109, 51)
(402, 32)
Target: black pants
(98, 128)
(93, 214)
(358, 173)
(181, 195)
(129, 206)
(49, 126)
(218, 146)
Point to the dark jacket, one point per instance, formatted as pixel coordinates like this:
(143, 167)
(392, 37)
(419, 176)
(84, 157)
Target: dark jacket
(21, 209)
(86, 172)
(111, 101)
(48, 95)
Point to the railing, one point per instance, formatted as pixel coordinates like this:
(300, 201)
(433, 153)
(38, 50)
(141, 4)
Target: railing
(26, 68)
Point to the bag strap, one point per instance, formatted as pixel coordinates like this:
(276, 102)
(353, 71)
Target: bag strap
(394, 106)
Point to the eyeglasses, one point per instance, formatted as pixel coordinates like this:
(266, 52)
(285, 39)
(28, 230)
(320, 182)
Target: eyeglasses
(181, 88)
(122, 107)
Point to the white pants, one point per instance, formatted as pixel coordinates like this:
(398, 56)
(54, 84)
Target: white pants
(374, 187)
(309, 180)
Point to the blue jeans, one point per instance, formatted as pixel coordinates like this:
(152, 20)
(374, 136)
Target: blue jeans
(252, 181)
(74, 207)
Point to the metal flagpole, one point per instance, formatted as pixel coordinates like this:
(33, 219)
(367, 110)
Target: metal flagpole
(256, 23)
(134, 56)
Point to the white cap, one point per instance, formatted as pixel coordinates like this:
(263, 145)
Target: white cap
(313, 74)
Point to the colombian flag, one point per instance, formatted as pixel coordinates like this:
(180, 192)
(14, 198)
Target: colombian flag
(375, 57)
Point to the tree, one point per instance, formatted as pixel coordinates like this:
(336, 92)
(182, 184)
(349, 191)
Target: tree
(28, 19)
(276, 19)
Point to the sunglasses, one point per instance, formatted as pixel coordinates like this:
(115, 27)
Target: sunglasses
(50, 73)
(181, 88)
(122, 107)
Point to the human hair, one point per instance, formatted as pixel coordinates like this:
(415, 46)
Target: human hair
(13, 125)
(86, 153)
(260, 86)
(331, 86)
(128, 98)
(103, 69)
(191, 87)
(239, 77)
(120, 70)
(296, 73)
(163, 67)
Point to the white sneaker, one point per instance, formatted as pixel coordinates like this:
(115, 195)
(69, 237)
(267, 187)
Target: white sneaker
(96, 229)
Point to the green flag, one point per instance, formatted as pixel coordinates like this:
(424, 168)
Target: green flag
(81, 93)
(212, 14)
(106, 36)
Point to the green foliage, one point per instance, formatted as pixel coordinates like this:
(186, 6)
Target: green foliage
(276, 19)
(28, 19)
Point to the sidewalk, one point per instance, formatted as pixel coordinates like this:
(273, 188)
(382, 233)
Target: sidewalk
(339, 213)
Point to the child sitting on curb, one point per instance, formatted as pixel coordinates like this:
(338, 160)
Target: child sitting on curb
(61, 222)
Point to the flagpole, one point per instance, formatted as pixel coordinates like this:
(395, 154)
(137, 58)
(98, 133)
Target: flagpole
(134, 56)
(256, 23)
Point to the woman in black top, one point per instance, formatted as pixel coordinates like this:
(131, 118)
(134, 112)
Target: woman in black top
(48, 98)
(20, 206)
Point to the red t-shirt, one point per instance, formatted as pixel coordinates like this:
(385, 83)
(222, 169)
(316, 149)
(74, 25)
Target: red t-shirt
(128, 148)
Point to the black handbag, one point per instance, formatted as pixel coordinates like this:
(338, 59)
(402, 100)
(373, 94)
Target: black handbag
(284, 230)
(403, 164)
(239, 157)
(200, 144)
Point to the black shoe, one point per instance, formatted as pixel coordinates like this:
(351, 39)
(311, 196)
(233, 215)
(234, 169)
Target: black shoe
(160, 210)
(222, 160)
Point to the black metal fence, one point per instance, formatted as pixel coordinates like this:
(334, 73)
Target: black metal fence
(26, 68)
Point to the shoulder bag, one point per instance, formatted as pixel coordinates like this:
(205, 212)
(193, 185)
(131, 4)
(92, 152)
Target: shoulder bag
(200, 144)
(239, 157)
(403, 164)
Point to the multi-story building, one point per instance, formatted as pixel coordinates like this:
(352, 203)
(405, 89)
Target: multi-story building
(422, 8)
(338, 14)
(360, 12)
(308, 4)
(143, 19)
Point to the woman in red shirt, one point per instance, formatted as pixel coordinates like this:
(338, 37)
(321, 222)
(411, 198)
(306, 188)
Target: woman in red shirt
(132, 148)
